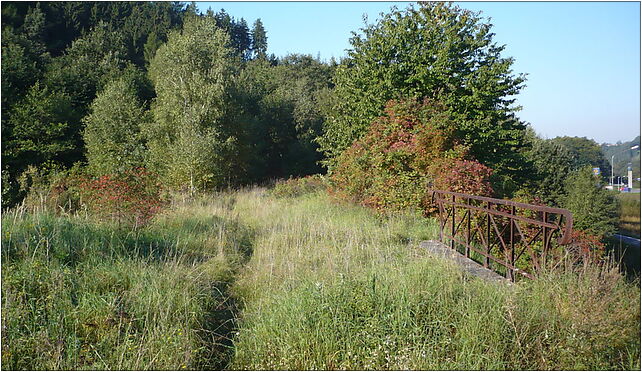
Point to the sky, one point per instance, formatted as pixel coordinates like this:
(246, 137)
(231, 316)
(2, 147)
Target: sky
(582, 58)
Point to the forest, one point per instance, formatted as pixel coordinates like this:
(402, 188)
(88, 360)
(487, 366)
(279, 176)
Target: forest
(153, 136)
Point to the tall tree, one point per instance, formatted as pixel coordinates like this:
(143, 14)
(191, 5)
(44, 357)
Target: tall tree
(259, 40)
(284, 104)
(594, 208)
(41, 128)
(552, 165)
(88, 64)
(191, 139)
(437, 51)
(585, 152)
(112, 129)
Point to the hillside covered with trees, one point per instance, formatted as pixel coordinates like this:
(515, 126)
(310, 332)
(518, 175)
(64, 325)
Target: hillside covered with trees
(194, 98)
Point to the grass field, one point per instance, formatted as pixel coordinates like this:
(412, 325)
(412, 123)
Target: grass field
(629, 212)
(248, 280)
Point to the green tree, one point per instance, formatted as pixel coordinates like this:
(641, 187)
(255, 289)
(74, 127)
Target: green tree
(192, 139)
(585, 152)
(41, 129)
(437, 51)
(594, 208)
(23, 59)
(283, 104)
(552, 163)
(90, 63)
(151, 46)
(112, 129)
(259, 40)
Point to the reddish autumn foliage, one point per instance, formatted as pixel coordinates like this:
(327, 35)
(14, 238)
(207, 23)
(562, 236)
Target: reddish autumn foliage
(410, 149)
(586, 246)
(464, 176)
(132, 198)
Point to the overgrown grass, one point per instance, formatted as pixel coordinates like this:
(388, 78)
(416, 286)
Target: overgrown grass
(80, 295)
(302, 282)
(333, 286)
(629, 212)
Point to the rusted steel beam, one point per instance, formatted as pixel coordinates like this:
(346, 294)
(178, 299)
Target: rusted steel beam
(494, 219)
(565, 213)
(500, 213)
(539, 208)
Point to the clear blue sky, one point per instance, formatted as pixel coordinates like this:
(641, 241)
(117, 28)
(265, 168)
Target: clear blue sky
(582, 58)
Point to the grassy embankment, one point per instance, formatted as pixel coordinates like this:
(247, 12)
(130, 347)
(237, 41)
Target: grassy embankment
(629, 212)
(318, 285)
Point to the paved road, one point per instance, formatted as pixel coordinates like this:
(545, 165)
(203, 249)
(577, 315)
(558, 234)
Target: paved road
(627, 239)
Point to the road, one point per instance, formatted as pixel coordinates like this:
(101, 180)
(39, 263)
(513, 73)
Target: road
(627, 239)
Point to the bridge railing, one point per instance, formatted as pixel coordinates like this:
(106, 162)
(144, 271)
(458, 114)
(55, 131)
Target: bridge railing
(509, 237)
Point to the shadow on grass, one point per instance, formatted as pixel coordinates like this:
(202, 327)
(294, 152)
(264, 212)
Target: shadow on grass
(72, 243)
(221, 319)
(627, 255)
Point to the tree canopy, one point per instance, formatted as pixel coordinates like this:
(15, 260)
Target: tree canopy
(191, 138)
(439, 51)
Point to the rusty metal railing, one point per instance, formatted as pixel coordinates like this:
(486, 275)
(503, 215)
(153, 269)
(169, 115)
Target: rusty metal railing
(509, 237)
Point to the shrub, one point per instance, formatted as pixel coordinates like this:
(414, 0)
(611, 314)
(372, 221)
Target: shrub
(298, 186)
(594, 209)
(464, 176)
(52, 189)
(586, 246)
(132, 197)
(409, 149)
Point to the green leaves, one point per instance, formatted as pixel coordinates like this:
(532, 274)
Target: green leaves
(437, 51)
(41, 128)
(594, 209)
(192, 137)
(112, 130)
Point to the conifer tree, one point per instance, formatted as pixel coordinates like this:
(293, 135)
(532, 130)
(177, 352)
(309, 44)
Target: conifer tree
(259, 40)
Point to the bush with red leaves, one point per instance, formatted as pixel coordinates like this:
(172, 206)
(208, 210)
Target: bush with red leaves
(409, 149)
(464, 176)
(131, 198)
(587, 246)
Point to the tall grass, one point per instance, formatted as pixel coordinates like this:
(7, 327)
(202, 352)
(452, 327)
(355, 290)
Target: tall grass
(629, 212)
(255, 280)
(76, 294)
(332, 286)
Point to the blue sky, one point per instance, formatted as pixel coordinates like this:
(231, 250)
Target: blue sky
(582, 58)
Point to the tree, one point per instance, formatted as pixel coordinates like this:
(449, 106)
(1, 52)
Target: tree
(594, 208)
(409, 149)
(192, 139)
(112, 130)
(240, 35)
(585, 152)
(437, 51)
(552, 163)
(238, 32)
(88, 64)
(259, 40)
(23, 58)
(283, 105)
(41, 129)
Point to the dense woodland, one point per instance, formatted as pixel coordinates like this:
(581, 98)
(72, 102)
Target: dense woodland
(103, 88)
